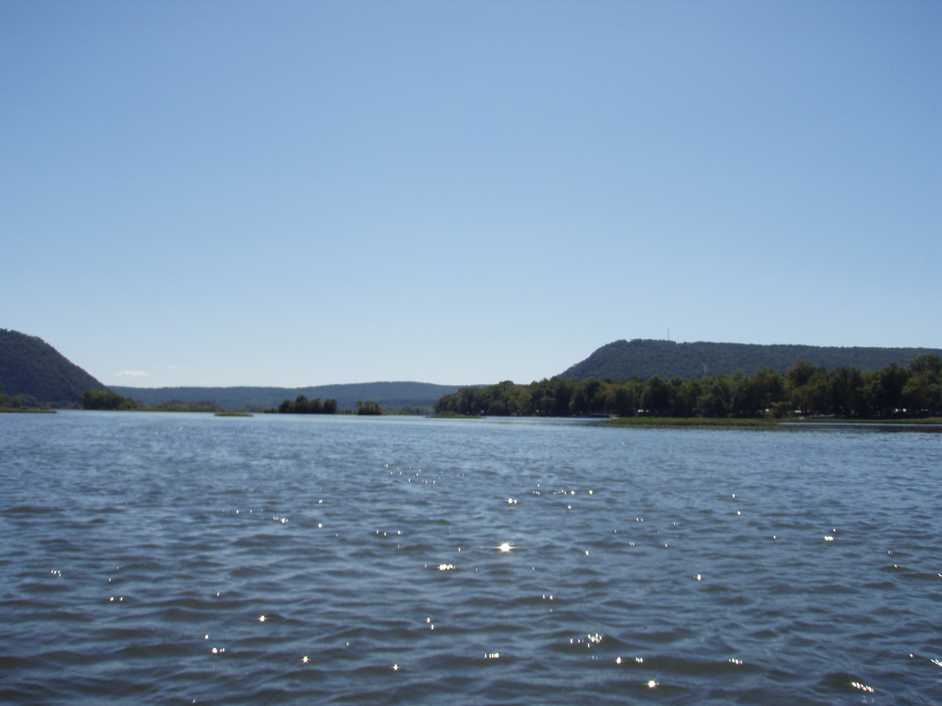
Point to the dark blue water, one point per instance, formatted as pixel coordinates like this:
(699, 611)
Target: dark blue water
(163, 558)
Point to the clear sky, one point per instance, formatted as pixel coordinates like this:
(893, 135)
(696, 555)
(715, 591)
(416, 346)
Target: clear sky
(293, 193)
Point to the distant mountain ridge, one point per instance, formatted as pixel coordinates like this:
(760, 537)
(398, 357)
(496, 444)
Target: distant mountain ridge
(30, 366)
(391, 395)
(646, 358)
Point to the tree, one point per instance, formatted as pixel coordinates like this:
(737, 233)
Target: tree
(846, 392)
(807, 388)
(625, 403)
(771, 387)
(747, 398)
(562, 395)
(922, 393)
(579, 405)
(303, 405)
(593, 396)
(656, 399)
(889, 389)
(929, 365)
(715, 401)
(799, 374)
(106, 399)
(916, 389)
(369, 408)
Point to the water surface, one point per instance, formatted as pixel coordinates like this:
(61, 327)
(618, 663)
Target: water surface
(172, 558)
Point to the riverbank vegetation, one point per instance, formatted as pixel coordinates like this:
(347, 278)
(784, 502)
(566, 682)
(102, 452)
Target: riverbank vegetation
(369, 408)
(105, 399)
(447, 414)
(890, 421)
(302, 405)
(14, 404)
(914, 391)
(725, 422)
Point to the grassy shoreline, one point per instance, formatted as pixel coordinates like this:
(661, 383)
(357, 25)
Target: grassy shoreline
(454, 415)
(845, 420)
(762, 423)
(26, 410)
(709, 422)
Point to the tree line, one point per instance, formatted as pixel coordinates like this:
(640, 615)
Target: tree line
(20, 401)
(369, 408)
(303, 405)
(105, 399)
(804, 389)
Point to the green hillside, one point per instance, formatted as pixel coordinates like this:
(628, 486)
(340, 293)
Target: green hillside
(30, 366)
(644, 358)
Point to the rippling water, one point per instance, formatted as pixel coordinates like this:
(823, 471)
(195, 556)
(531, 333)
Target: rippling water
(171, 558)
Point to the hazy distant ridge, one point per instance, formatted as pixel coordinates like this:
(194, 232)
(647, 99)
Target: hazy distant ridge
(645, 358)
(391, 395)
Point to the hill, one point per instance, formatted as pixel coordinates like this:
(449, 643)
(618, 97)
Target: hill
(30, 366)
(391, 395)
(644, 358)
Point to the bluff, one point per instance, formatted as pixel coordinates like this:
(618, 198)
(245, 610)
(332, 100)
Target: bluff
(30, 366)
(645, 358)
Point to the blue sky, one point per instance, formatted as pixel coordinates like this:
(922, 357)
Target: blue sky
(292, 193)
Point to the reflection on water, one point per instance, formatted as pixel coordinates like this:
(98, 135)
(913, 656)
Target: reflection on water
(179, 558)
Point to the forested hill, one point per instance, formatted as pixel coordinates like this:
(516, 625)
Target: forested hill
(644, 359)
(390, 395)
(30, 366)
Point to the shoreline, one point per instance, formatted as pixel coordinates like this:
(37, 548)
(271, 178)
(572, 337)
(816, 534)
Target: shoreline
(927, 424)
(701, 422)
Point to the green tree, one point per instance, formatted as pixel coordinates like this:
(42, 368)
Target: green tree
(889, 390)
(747, 398)
(846, 392)
(806, 388)
(625, 402)
(104, 399)
(715, 401)
(799, 374)
(656, 399)
(594, 396)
